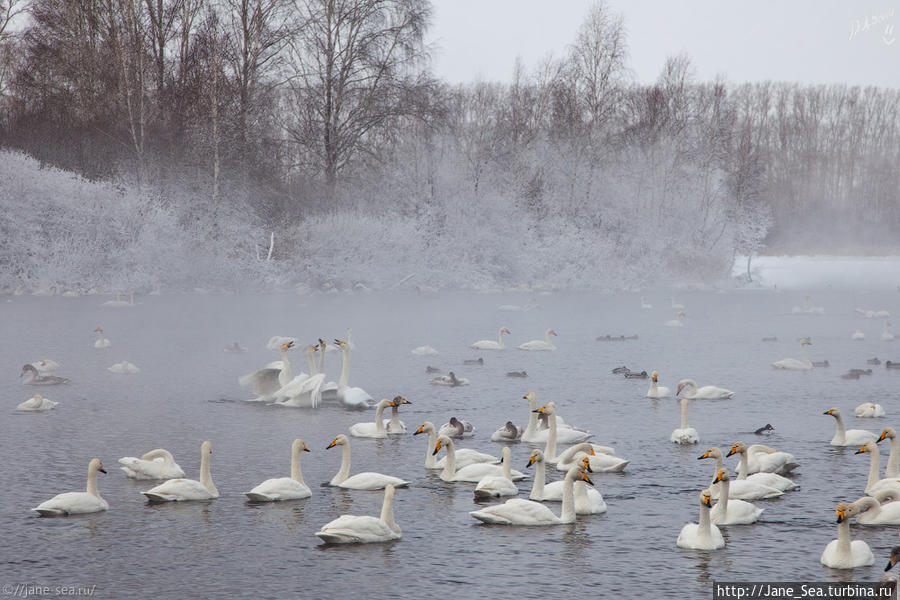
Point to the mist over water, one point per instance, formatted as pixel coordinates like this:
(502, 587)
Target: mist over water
(187, 392)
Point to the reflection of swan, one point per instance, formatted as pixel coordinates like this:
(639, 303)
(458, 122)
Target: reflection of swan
(156, 464)
(36, 403)
(703, 535)
(31, 377)
(874, 483)
(676, 322)
(181, 490)
(449, 380)
(858, 335)
(394, 426)
(707, 392)
(352, 529)
(425, 350)
(732, 511)
(891, 470)
(101, 341)
(491, 345)
(657, 391)
(457, 429)
(588, 500)
(886, 335)
(373, 429)
(684, 434)
(360, 481)
(507, 433)
(876, 513)
(751, 488)
(793, 364)
(537, 433)
(868, 409)
(351, 397)
(464, 456)
(495, 486)
(527, 512)
(544, 344)
(848, 437)
(124, 367)
(843, 553)
(762, 461)
(284, 488)
(76, 503)
(272, 377)
(471, 473)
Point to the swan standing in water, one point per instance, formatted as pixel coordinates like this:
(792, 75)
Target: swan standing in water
(124, 367)
(684, 434)
(284, 488)
(528, 512)
(752, 488)
(36, 403)
(507, 433)
(588, 500)
(352, 529)
(494, 486)
(848, 437)
(535, 434)
(544, 344)
(759, 464)
(843, 553)
(361, 481)
(101, 341)
(30, 376)
(375, 429)
(267, 381)
(77, 503)
(874, 483)
(891, 470)
(492, 345)
(181, 490)
(793, 364)
(425, 350)
(464, 456)
(657, 391)
(472, 473)
(886, 335)
(156, 464)
(732, 512)
(703, 535)
(350, 397)
(869, 410)
(457, 429)
(707, 392)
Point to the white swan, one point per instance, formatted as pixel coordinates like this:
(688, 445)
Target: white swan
(806, 309)
(76, 503)
(119, 303)
(361, 481)
(703, 535)
(891, 470)
(156, 464)
(457, 429)
(45, 365)
(858, 335)
(676, 322)
(684, 434)
(843, 553)
(495, 486)
(508, 433)
(348, 340)
(874, 482)
(707, 392)
(606, 461)
(490, 344)
(793, 364)
(394, 426)
(872, 314)
(588, 500)
(464, 456)
(304, 390)
(729, 511)
(675, 304)
(180, 490)
(878, 512)
(763, 458)
(528, 512)
(425, 350)
(886, 335)
(544, 344)
(570, 456)
(752, 488)
(284, 488)
(657, 391)
(644, 304)
(535, 434)
(869, 410)
(36, 403)
(352, 529)
(351, 397)
(848, 437)
(30, 376)
(449, 380)
(101, 341)
(472, 473)
(375, 429)
(124, 367)
(271, 378)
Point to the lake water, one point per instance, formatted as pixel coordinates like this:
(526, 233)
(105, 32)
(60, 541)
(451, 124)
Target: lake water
(187, 392)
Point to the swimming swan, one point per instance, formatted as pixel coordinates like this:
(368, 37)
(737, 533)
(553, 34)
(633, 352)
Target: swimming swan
(156, 464)
(101, 341)
(284, 488)
(494, 486)
(181, 490)
(793, 364)
(874, 483)
(457, 429)
(890, 470)
(124, 367)
(877, 512)
(352, 529)
(375, 429)
(492, 345)
(45, 365)
(528, 512)
(732, 512)
(350, 397)
(565, 434)
(703, 535)
(394, 426)
(707, 392)
(472, 473)
(508, 433)
(464, 456)
(869, 410)
(304, 390)
(657, 391)
(449, 380)
(544, 344)
(36, 403)
(763, 459)
(30, 376)
(588, 500)
(684, 434)
(848, 437)
(265, 382)
(425, 350)
(741, 489)
(843, 553)
(361, 481)
(76, 503)
(676, 322)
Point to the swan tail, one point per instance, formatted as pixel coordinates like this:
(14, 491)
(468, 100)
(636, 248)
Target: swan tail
(481, 494)
(486, 517)
(155, 497)
(330, 537)
(788, 467)
(257, 497)
(50, 512)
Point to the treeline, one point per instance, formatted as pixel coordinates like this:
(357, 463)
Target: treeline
(307, 115)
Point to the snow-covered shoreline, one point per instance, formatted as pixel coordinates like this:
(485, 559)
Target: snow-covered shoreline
(821, 271)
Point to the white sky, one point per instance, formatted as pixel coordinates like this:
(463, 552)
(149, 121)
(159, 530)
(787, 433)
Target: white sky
(808, 41)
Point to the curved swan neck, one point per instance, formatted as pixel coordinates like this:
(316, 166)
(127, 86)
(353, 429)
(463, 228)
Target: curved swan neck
(296, 474)
(344, 381)
(841, 434)
(311, 363)
(321, 368)
(532, 418)
(684, 421)
(547, 337)
(345, 465)
(568, 500)
(550, 449)
(893, 463)
(285, 366)
(92, 480)
(379, 419)
(745, 465)
(537, 488)
(430, 460)
(874, 464)
(387, 509)
(205, 477)
(449, 471)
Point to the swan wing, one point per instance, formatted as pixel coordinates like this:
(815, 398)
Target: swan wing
(264, 382)
(466, 457)
(494, 486)
(137, 468)
(516, 511)
(178, 490)
(371, 481)
(71, 503)
(356, 397)
(351, 529)
(280, 488)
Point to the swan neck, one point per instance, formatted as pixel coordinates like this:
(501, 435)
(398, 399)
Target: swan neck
(724, 490)
(550, 449)
(684, 421)
(379, 422)
(310, 362)
(893, 463)
(532, 419)
(703, 527)
(387, 509)
(568, 501)
(92, 481)
(843, 539)
(285, 374)
(321, 368)
(841, 433)
(205, 477)
(874, 464)
(430, 460)
(547, 337)
(296, 474)
(500, 337)
(345, 466)
(506, 468)
(344, 381)
(449, 471)
(537, 488)
(745, 466)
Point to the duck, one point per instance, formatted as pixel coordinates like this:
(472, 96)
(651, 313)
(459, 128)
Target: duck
(375, 429)
(449, 380)
(360, 481)
(707, 392)
(473, 361)
(31, 376)
(490, 344)
(793, 364)
(425, 350)
(656, 390)
(186, 490)
(732, 512)
(352, 529)
(869, 410)
(759, 464)
(36, 403)
(101, 341)
(457, 429)
(508, 433)
(495, 486)
(464, 456)
(124, 367)
(684, 434)
(751, 488)
(843, 553)
(848, 437)
(156, 464)
(471, 473)
(284, 488)
(516, 374)
(540, 345)
(588, 500)
(77, 503)
(265, 382)
(703, 535)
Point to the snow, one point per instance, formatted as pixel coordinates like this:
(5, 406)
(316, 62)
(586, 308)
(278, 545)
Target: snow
(821, 271)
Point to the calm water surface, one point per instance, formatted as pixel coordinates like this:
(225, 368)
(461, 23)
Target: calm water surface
(187, 392)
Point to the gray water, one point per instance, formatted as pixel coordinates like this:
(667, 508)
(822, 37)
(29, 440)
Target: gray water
(187, 392)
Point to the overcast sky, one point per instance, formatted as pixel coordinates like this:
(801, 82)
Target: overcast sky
(810, 41)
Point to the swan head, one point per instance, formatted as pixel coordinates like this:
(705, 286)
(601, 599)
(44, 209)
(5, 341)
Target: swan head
(655, 377)
(549, 409)
(552, 332)
(505, 330)
(843, 512)
(536, 457)
(298, 445)
(529, 396)
(706, 498)
(426, 427)
(833, 412)
(206, 448)
(38, 397)
(28, 368)
(99, 329)
(805, 342)
(685, 383)
(867, 447)
(287, 345)
(586, 463)
(398, 400)
(441, 442)
(895, 557)
(737, 448)
(578, 471)
(722, 475)
(712, 453)
(887, 432)
(340, 343)
(511, 428)
(96, 465)
(340, 440)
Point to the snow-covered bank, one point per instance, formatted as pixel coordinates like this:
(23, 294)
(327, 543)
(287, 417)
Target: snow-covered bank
(809, 272)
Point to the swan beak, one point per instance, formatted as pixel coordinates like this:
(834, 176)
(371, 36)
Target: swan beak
(101, 469)
(338, 342)
(587, 479)
(587, 465)
(882, 436)
(718, 478)
(840, 516)
(419, 430)
(305, 449)
(707, 500)
(730, 452)
(827, 412)
(678, 391)
(332, 444)
(861, 450)
(539, 410)
(531, 461)
(891, 562)
(705, 455)
(437, 448)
